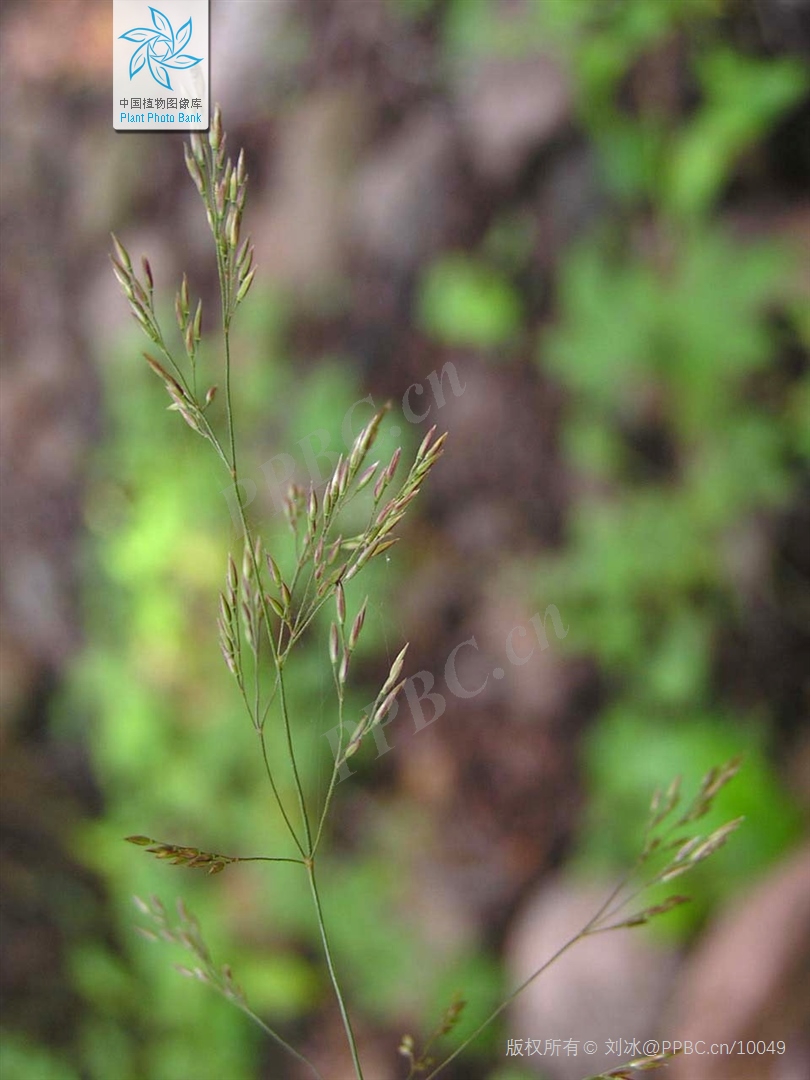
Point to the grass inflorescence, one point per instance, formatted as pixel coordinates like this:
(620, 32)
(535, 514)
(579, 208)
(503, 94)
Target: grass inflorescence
(266, 608)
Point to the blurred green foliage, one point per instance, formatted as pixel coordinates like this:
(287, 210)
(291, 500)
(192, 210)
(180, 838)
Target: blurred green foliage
(671, 353)
(679, 164)
(465, 302)
(681, 427)
(20, 1060)
(697, 161)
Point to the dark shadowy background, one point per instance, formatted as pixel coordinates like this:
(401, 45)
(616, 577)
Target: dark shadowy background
(598, 213)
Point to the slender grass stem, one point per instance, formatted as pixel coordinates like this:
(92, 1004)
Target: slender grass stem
(225, 294)
(330, 790)
(344, 1014)
(279, 800)
(588, 929)
(258, 727)
(280, 683)
(224, 291)
(257, 685)
(505, 1004)
(335, 769)
(274, 1035)
(302, 804)
(268, 858)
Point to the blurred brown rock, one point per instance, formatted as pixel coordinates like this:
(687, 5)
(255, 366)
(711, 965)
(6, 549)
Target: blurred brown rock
(402, 191)
(63, 42)
(496, 770)
(509, 109)
(750, 980)
(612, 986)
(306, 228)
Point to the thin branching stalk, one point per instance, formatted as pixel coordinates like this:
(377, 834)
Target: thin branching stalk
(344, 1012)
(185, 931)
(688, 852)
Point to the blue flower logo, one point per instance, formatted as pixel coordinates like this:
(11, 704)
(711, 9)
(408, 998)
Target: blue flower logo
(160, 48)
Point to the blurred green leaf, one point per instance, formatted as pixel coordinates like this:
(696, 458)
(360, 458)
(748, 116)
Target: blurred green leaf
(278, 984)
(474, 28)
(463, 302)
(21, 1061)
(743, 98)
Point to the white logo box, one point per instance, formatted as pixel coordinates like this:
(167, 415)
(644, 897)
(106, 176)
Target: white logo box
(161, 65)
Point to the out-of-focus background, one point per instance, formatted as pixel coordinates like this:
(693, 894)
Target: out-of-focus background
(598, 213)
